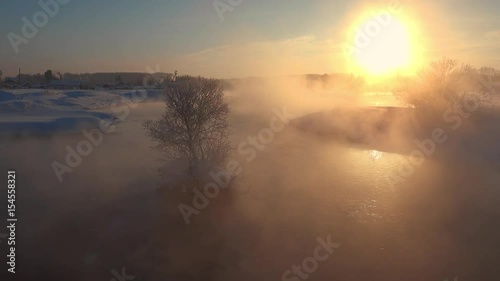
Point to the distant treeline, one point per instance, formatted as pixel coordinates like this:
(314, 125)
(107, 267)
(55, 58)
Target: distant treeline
(141, 79)
(349, 82)
(130, 78)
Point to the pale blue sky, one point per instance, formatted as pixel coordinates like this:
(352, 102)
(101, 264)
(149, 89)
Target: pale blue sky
(258, 37)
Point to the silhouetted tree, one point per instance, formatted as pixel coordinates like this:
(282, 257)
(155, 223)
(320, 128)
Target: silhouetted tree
(194, 126)
(444, 84)
(48, 76)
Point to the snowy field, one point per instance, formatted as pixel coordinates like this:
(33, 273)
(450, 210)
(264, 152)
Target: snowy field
(40, 112)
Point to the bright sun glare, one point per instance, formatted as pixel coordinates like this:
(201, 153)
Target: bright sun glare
(381, 43)
(390, 50)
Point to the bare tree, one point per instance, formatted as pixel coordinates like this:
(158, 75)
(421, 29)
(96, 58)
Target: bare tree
(194, 126)
(443, 84)
(48, 76)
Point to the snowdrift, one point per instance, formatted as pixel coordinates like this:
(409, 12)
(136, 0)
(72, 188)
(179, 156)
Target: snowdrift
(45, 112)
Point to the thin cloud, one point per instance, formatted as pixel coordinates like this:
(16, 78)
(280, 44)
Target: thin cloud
(290, 56)
(493, 35)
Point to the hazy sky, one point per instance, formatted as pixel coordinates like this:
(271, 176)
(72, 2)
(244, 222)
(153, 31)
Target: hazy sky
(258, 37)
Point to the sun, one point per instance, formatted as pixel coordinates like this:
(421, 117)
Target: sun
(381, 43)
(388, 51)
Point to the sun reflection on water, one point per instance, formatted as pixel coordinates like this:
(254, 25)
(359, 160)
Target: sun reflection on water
(375, 154)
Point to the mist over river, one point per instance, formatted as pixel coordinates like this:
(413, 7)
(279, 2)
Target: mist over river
(303, 185)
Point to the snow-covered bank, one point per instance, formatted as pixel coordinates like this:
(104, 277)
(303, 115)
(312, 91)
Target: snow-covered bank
(28, 112)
